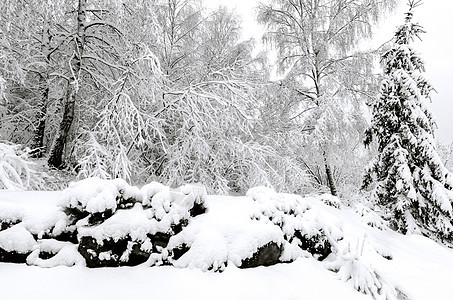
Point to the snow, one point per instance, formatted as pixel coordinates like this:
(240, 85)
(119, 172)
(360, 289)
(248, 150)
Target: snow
(365, 258)
(303, 279)
(17, 238)
(96, 195)
(38, 211)
(66, 254)
(226, 233)
(133, 222)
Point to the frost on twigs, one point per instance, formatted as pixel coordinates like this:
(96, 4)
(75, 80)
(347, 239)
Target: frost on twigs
(16, 170)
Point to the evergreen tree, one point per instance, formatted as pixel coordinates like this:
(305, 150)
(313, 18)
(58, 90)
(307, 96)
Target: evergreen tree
(413, 185)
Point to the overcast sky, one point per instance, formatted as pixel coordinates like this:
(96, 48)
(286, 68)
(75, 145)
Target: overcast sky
(436, 49)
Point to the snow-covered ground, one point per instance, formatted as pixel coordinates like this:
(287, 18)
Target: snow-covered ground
(418, 267)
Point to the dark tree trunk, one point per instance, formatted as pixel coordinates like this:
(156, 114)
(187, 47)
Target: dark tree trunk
(329, 175)
(38, 139)
(56, 155)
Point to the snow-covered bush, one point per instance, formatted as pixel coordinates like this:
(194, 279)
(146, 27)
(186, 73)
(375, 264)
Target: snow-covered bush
(362, 275)
(16, 170)
(371, 217)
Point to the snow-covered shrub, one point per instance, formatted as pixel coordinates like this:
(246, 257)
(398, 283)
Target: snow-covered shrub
(356, 269)
(94, 160)
(16, 170)
(330, 200)
(371, 217)
(300, 224)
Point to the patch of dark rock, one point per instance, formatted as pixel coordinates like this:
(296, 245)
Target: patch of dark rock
(75, 214)
(91, 251)
(99, 217)
(197, 209)
(160, 239)
(13, 256)
(67, 236)
(46, 255)
(4, 224)
(137, 256)
(177, 228)
(180, 251)
(317, 245)
(125, 203)
(266, 255)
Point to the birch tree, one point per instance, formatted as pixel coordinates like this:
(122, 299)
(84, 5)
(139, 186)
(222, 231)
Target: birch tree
(316, 43)
(119, 118)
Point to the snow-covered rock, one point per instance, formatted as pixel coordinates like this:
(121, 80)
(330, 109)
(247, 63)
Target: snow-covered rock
(16, 243)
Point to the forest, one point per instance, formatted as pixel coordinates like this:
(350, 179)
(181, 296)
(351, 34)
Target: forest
(168, 91)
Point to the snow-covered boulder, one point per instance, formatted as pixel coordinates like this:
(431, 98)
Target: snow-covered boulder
(16, 243)
(266, 255)
(50, 253)
(95, 199)
(226, 235)
(130, 234)
(299, 222)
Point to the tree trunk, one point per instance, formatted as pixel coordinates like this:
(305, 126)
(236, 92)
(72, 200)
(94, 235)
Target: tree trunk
(330, 181)
(38, 139)
(56, 155)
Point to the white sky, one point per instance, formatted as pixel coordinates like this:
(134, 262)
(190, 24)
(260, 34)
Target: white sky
(436, 49)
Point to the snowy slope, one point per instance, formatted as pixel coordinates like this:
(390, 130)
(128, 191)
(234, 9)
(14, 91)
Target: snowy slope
(419, 268)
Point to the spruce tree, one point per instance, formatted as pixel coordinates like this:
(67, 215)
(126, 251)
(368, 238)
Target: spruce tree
(413, 185)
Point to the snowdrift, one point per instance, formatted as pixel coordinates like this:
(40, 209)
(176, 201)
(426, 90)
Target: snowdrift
(107, 223)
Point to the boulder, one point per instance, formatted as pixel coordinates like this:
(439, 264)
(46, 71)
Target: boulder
(266, 255)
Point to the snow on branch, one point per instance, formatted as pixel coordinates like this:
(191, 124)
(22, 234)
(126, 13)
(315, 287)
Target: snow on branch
(16, 170)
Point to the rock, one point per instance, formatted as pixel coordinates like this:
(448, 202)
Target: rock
(266, 255)
(160, 239)
(5, 224)
(13, 256)
(317, 245)
(197, 209)
(137, 256)
(180, 251)
(98, 255)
